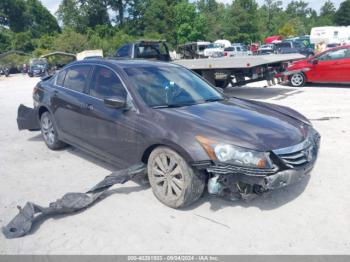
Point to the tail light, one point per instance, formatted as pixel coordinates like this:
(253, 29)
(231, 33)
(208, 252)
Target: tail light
(225, 54)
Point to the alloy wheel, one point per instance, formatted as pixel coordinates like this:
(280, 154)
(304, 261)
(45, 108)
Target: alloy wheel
(167, 174)
(48, 130)
(297, 79)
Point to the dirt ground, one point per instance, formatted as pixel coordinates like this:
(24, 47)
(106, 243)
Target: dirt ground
(312, 217)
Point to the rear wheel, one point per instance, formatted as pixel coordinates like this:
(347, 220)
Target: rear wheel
(49, 132)
(297, 80)
(173, 181)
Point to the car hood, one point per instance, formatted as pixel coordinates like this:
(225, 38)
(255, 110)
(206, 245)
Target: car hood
(244, 123)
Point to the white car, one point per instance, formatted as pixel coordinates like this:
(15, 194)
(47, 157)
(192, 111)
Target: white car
(214, 50)
(236, 50)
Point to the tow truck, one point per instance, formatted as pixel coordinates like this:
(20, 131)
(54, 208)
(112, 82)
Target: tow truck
(221, 72)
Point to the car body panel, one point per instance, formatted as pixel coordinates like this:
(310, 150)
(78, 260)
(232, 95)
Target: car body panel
(330, 71)
(125, 136)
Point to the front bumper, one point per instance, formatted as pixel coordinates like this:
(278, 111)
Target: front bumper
(291, 165)
(27, 118)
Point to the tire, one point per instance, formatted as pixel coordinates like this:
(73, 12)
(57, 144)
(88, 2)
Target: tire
(49, 133)
(173, 181)
(297, 80)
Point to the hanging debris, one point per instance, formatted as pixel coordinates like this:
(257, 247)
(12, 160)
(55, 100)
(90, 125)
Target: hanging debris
(32, 213)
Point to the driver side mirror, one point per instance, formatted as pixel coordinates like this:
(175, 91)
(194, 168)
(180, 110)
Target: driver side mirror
(115, 102)
(315, 62)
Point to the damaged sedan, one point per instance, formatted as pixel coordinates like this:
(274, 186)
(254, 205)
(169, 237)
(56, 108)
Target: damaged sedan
(186, 131)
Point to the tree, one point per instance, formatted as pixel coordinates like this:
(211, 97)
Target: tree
(82, 14)
(190, 26)
(69, 14)
(241, 21)
(70, 41)
(39, 20)
(327, 14)
(342, 16)
(12, 14)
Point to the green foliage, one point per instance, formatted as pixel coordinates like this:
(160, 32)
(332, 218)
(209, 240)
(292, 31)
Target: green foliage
(28, 26)
(70, 41)
(342, 16)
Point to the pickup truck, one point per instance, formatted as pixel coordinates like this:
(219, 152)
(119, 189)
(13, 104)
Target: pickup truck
(145, 49)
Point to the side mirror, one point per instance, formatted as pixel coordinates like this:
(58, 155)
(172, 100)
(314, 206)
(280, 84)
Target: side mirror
(315, 62)
(115, 102)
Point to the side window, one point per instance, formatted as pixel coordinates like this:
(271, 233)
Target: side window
(76, 77)
(105, 83)
(238, 49)
(60, 78)
(333, 55)
(123, 51)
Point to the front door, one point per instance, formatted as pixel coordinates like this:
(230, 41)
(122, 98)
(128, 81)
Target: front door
(110, 131)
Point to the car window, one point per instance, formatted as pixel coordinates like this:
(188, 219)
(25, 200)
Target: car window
(167, 85)
(334, 54)
(76, 77)
(60, 78)
(123, 51)
(105, 83)
(229, 49)
(238, 49)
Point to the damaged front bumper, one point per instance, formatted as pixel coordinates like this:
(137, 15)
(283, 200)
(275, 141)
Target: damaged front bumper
(27, 118)
(291, 165)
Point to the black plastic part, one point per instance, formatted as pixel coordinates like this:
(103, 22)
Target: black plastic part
(27, 118)
(32, 213)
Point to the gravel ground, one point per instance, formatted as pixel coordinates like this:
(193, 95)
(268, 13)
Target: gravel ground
(312, 217)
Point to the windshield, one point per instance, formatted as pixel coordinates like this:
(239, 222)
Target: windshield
(168, 86)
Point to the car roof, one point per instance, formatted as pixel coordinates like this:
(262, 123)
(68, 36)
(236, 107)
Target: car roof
(127, 63)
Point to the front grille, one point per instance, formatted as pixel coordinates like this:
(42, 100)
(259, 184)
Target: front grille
(223, 169)
(299, 155)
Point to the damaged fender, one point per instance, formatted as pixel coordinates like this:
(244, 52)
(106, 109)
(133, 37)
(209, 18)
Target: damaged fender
(27, 118)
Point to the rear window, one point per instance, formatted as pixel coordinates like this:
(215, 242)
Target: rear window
(228, 49)
(76, 77)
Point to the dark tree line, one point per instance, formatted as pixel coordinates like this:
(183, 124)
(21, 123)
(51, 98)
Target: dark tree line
(79, 24)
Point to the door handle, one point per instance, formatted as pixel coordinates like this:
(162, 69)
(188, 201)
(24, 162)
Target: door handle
(55, 93)
(90, 107)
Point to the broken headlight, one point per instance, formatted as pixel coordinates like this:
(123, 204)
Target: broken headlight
(235, 155)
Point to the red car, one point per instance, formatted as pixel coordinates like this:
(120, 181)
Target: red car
(331, 66)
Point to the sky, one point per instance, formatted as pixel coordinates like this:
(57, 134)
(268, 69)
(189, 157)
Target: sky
(52, 5)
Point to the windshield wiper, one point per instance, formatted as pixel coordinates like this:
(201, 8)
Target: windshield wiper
(171, 105)
(213, 99)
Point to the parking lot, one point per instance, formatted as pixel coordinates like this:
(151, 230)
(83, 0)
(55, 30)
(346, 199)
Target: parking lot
(312, 217)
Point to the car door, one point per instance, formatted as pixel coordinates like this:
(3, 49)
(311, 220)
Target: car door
(326, 68)
(111, 132)
(68, 99)
(342, 67)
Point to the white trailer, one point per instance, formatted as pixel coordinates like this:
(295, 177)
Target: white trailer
(330, 35)
(240, 70)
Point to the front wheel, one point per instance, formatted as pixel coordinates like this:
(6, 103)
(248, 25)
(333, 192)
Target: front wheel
(297, 80)
(173, 181)
(49, 132)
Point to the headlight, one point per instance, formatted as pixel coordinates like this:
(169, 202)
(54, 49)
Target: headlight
(235, 155)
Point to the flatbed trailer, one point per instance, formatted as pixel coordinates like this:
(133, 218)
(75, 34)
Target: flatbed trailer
(240, 70)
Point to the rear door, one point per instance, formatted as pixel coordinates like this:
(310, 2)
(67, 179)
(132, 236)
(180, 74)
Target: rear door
(111, 132)
(68, 99)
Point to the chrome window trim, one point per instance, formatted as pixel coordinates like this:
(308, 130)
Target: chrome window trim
(88, 95)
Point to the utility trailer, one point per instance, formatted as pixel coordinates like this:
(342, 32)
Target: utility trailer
(241, 70)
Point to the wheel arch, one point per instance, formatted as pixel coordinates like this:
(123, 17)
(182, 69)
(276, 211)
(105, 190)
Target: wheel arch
(178, 149)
